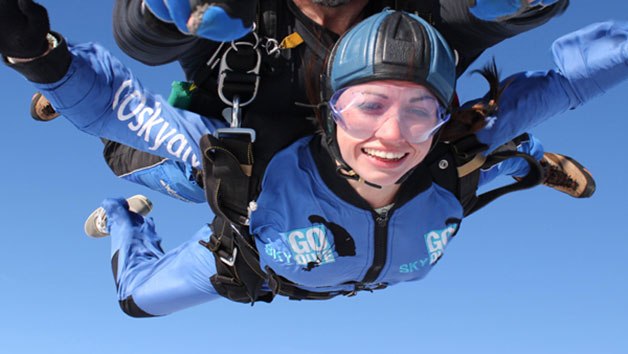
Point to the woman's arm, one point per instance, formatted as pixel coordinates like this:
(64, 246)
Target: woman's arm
(590, 61)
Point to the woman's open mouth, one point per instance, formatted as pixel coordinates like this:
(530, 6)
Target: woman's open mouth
(385, 156)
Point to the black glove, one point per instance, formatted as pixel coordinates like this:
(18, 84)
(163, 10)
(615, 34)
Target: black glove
(23, 29)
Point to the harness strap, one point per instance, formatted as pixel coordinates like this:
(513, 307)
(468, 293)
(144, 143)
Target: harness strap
(238, 275)
(472, 165)
(429, 10)
(267, 16)
(534, 177)
(227, 165)
(282, 286)
(467, 155)
(313, 41)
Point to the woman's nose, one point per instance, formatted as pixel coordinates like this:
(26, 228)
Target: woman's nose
(390, 129)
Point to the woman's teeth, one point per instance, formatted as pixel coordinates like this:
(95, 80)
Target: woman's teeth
(386, 155)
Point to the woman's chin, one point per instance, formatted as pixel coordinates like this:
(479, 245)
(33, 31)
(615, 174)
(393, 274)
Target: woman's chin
(381, 172)
(381, 179)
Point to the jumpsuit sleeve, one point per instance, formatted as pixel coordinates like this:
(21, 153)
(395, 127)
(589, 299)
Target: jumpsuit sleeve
(470, 35)
(101, 97)
(490, 10)
(150, 282)
(590, 61)
(145, 38)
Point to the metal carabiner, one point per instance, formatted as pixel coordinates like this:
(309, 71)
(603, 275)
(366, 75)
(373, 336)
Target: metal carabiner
(272, 46)
(234, 44)
(224, 69)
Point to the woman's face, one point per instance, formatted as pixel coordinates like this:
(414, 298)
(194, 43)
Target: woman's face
(385, 156)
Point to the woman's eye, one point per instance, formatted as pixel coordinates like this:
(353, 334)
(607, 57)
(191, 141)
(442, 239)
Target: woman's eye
(419, 112)
(370, 107)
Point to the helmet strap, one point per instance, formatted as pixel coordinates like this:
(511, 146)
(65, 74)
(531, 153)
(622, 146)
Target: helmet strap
(352, 175)
(343, 169)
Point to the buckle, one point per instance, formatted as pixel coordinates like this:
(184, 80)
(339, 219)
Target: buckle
(214, 243)
(235, 129)
(220, 132)
(231, 261)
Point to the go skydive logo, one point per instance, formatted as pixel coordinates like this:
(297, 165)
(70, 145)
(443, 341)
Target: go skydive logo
(310, 245)
(133, 105)
(436, 241)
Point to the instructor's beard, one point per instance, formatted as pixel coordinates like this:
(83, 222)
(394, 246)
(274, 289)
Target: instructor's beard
(330, 3)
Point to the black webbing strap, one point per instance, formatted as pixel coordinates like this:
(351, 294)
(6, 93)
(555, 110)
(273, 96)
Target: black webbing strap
(458, 165)
(534, 177)
(468, 152)
(429, 10)
(267, 17)
(282, 286)
(227, 167)
(313, 41)
(238, 275)
(468, 159)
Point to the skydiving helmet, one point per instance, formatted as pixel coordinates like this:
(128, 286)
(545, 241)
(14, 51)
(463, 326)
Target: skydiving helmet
(391, 45)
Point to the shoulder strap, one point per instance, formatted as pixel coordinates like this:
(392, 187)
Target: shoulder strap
(429, 10)
(229, 183)
(467, 155)
(267, 17)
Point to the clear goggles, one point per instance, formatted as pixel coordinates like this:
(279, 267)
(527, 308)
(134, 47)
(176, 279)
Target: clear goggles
(361, 110)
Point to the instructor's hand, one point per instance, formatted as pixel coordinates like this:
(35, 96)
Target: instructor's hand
(217, 20)
(23, 29)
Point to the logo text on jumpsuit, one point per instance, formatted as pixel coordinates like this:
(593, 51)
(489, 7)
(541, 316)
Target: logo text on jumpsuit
(310, 245)
(147, 118)
(436, 242)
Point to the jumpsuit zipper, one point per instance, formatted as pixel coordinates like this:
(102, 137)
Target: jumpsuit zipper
(380, 245)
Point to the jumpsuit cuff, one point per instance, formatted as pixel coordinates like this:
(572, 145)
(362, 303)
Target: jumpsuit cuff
(47, 69)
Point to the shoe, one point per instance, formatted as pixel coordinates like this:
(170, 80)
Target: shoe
(41, 109)
(568, 176)
(96, 223)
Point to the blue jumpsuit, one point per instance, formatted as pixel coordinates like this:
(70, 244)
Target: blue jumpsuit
(300, 202)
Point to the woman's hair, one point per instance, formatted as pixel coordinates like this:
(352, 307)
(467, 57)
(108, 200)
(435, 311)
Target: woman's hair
(467, 121)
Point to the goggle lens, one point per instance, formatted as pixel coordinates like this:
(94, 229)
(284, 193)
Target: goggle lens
(361, 110)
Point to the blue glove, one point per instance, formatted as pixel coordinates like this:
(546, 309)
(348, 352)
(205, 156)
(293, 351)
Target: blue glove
(159, 9)
(217, 20)
(490, 10)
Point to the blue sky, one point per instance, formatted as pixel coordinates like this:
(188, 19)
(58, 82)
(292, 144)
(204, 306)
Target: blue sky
(535, 272)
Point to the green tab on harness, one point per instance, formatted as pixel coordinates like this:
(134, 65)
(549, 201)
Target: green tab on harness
(181, 94)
